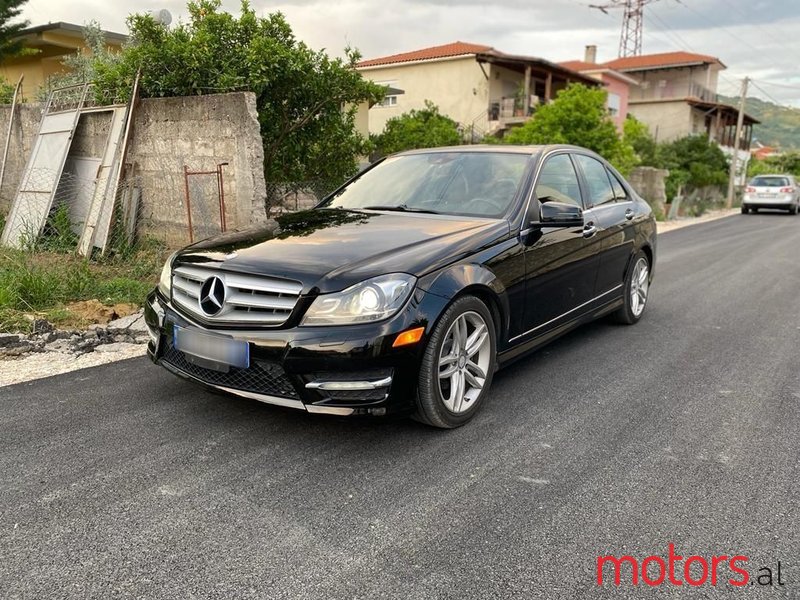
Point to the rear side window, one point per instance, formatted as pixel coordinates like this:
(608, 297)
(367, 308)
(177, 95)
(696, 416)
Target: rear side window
(770, 182)
(558, 181)
(616, 185)
(600, 190)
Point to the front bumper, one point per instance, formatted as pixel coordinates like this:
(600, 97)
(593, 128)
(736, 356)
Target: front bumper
(350, 370)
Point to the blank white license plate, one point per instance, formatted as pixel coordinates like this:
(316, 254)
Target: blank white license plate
(212, 347)
(767, 195)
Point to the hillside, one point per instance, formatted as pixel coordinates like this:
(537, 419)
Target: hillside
(780, 125)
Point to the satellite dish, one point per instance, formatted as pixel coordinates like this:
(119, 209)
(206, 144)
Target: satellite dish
(162, 16)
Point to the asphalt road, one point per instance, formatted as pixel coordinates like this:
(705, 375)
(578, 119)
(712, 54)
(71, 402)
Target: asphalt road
(123, 482)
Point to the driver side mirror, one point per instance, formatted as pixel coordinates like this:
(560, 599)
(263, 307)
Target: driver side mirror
(559, 214)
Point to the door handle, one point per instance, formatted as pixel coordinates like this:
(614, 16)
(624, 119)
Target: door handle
(589, 230)
(629, 214)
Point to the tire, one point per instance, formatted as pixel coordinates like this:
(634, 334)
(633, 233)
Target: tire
(794, 210)
(449, 402)
(745, 210)
(637, 289)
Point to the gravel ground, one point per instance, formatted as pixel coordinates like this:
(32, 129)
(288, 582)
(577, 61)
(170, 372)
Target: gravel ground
(34, 366)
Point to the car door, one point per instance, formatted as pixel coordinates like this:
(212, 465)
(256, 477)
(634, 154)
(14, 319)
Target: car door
(560, 263)
(613, 208)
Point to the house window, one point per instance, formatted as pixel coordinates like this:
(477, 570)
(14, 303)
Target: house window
(390, 99)
(613, 104)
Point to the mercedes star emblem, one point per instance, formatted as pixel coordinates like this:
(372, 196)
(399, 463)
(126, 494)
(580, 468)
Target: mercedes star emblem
(212, 296)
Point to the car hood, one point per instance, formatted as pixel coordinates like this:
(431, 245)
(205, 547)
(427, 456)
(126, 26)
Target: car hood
(331, 249)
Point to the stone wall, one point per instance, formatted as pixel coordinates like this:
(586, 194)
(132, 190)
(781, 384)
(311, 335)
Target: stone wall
(198, 132)
(23, 134)
(649, 184)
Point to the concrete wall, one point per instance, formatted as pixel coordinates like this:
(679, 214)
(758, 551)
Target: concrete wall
(457, 86)
(649, 184)
(667, 120)
(199, 132)
(23, 134)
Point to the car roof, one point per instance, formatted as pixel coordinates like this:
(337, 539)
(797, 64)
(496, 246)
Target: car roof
(497, 148)
(773, 175)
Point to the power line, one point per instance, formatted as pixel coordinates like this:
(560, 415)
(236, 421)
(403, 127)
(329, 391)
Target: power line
(714, 25)
(780, 85)
(767, 94)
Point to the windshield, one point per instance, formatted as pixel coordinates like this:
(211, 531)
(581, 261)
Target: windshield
(770, 182)
(480, 184)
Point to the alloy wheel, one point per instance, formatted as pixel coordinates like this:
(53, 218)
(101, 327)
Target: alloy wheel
(464, 361)
(640, 284)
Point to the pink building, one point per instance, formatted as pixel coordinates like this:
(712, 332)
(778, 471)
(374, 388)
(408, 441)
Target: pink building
(617, 84)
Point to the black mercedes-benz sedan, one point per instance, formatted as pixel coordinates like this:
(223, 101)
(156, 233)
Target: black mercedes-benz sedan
(404, 290)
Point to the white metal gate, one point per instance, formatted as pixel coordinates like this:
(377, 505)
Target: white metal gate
(40, 178)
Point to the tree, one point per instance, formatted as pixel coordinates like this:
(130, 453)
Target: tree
(787, 162)
(10, 43)
(577, 116)
(423, 128)
(638, 136)
(693, 161)
(306, 100)
(81, 65)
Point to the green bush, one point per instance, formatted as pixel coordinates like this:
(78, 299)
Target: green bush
(577, 116)
(424, 128)
(694, 162)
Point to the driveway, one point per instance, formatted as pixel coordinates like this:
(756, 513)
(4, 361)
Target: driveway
(122, 481)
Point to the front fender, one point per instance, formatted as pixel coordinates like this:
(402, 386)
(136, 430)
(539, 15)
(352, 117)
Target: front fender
(472, 278)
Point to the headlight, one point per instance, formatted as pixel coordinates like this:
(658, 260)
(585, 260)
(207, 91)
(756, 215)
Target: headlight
(372, 300)
(165, 282)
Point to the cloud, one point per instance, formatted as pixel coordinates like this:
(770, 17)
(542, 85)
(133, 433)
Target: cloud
(756, 39)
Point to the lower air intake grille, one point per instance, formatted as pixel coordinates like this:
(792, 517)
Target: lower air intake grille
(261, 378)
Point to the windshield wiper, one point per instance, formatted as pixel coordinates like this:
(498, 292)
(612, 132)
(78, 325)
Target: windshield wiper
(403, 208)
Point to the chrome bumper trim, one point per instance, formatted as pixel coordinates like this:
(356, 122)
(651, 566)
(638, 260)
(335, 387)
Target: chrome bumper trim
(349, 386)
(329, 410)
(265, 398)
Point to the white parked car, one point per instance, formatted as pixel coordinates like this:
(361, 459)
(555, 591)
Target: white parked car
(780, 192)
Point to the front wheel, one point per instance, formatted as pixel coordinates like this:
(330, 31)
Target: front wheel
(637, 287)
(458, 365)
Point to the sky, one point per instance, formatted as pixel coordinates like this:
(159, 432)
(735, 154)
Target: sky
(754, 38)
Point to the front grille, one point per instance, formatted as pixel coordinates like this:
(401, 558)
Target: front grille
(249, 299)
(261, 378)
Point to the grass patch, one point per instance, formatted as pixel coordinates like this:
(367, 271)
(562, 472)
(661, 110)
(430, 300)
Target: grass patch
(40, 284)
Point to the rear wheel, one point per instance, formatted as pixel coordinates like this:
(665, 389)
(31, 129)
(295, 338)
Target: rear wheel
(794, 210)
(637, 287)
(745, 210)
(458, 365)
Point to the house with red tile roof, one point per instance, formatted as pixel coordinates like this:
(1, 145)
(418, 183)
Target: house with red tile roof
(617, 84)
(486, 91)
(677, 96)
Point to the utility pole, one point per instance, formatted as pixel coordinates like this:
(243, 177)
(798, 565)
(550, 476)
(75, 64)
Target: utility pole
(630, 41)
(736, 141)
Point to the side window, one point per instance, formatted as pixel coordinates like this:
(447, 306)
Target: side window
(558, 181)
(600, 191)
(619, 189)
